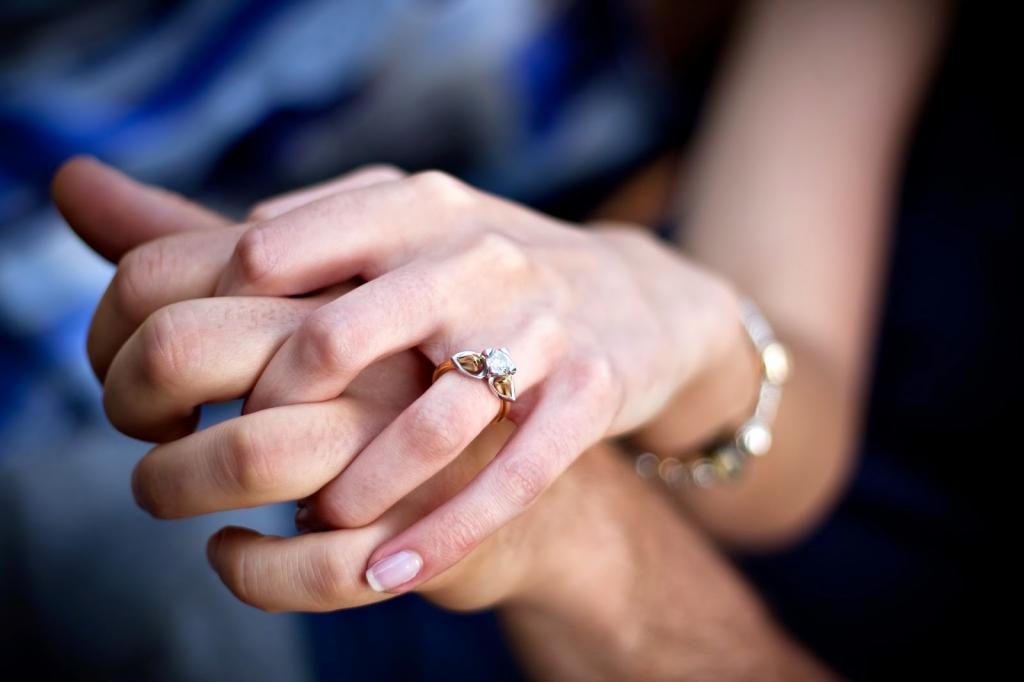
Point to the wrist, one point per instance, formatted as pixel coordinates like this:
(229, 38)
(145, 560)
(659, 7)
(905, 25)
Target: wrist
(724, 458)
(576, 536)
(581, 609)
(705, 360)
(621, 586)
(718, 398)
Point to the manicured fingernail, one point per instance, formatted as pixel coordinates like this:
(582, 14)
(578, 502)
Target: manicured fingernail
(394, 571)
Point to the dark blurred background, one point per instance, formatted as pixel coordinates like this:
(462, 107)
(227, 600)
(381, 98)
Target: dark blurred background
(553, 103)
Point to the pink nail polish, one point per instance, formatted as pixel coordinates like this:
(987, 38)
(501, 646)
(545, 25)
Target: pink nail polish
(394, 571)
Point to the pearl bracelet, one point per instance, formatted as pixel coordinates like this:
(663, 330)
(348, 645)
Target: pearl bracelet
(726, 458)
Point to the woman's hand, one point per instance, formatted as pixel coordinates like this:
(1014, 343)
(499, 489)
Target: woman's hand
(199, 351)
(164, 347)
(604, 325)
(567, 615)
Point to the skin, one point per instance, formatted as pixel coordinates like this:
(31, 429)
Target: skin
(417, 245)
(582, 378)
(598, 526)
(668, 362)
(788, 194)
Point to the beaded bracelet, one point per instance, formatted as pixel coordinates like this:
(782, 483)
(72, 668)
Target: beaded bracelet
(725, 459)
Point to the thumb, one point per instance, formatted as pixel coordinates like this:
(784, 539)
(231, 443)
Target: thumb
(113, 213)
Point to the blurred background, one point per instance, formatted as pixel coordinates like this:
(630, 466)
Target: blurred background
(555, 103)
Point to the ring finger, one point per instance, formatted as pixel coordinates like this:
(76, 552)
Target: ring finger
(432, 432)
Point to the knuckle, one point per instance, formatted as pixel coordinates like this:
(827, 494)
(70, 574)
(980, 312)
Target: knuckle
(597, 385)
(248, 463)
(432, 432)
(171, 349)
(326, 347)
(499, 252)
(380, 171)
(549, 330)
(138, 272)
(594, 376)
(522, 479)
(263, 210)
(440, 187)
(256, 258)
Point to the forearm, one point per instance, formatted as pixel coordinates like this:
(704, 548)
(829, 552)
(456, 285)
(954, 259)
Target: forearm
(789, 196)
(622, 587)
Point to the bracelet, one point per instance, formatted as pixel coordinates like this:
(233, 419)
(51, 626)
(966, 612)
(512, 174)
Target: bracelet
(725, 459)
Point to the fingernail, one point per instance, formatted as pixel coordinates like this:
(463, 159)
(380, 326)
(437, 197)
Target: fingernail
(394, 571)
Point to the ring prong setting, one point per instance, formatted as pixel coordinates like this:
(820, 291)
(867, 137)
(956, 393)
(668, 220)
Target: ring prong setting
(498, 362)
(471, 363)
(494, 365)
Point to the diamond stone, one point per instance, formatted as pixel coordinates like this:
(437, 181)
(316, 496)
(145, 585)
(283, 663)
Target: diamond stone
(499, 363)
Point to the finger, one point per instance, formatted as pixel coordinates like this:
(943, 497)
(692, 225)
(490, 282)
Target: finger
(187, 262)
(400, 309)
(166, 270)
(113, 213)
(313, 572)
(363, 232)
(569, 417)
(117, 215)
(433, 431)
(362, 177)
(336, 342)
(191, 353)
(281, 454)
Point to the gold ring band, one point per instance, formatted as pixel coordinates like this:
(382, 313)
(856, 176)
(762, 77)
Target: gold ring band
(449, 365)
